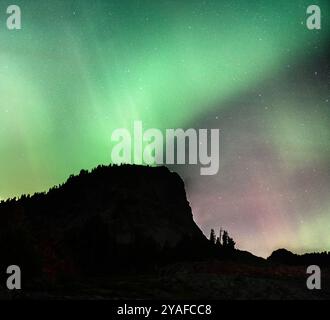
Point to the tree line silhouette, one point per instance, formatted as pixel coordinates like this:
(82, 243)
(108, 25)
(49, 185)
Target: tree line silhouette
(223, 241)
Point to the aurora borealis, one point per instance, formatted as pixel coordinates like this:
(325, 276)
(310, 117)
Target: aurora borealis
(78, 70)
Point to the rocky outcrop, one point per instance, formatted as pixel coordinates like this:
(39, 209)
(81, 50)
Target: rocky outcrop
(111, 217)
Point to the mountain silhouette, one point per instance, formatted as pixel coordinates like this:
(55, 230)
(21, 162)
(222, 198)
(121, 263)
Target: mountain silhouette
(112, 217)
(128, 232)
(286, 257)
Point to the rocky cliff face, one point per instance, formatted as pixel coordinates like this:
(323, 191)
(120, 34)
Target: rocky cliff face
(111, 216)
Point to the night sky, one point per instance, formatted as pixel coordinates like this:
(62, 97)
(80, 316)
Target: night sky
(80, 69)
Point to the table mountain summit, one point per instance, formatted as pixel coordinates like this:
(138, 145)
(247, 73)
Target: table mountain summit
(110, 217)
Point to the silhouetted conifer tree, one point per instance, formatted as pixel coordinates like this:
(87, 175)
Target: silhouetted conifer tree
(225, 239)
(212, 236)
(231, 243)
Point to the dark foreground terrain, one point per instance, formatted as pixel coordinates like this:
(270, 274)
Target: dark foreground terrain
(127, 232)
(198, 280)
